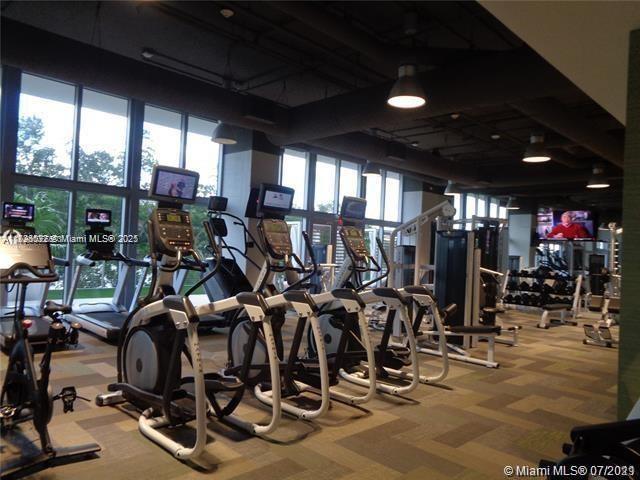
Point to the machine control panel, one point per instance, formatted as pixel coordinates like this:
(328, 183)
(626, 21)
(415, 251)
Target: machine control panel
(354, 241)
(277, 239)
(172, 230)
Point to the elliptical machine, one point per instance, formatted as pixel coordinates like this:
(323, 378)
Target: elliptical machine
(298, 372)
(390, 359)
(26, 396)
(165, 326)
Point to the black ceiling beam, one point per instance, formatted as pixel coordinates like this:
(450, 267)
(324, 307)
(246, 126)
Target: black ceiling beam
(488, 79)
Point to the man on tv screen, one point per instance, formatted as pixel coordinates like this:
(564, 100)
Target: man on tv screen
(568, 229)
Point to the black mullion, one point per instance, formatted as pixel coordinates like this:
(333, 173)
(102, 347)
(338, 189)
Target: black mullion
(9, 123)
(75, 141)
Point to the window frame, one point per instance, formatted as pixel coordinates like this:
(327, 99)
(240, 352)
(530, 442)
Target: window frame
(130, 192)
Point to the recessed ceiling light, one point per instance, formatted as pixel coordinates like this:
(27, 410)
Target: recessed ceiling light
(148, 53)
(455, 116)
(227, 12)
(495, 136)
(415, 143)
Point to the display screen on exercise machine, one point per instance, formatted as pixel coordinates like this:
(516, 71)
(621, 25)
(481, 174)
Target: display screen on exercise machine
(173, 185)
(353, 208)
(275, 201)
(97, 217)
(21, 212)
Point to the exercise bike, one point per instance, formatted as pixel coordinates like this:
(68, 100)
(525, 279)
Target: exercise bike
(26, 394)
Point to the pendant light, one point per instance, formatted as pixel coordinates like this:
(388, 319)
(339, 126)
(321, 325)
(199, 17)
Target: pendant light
(407, 92)
(513, 204)
(224, 134)
(598, 179)
(536, 151)
(370, 170)
(452, 188)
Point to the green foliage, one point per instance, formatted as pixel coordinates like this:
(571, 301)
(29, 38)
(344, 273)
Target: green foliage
(325, 207)
(33, 158)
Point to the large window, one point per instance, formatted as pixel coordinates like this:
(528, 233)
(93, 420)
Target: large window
(80, 136)
(457, 204)
(98, 281)
(349, 181)
(392, 197)
(203, 155)
(325, 188)
(493, 208)
(103, 138)
(470, 206)
(161, 141)
(46, 128)
(51, 218)
(481, 206)
(293, 174)
(374, 196)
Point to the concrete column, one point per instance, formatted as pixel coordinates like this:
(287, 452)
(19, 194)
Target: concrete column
(629, 349)
(521, 227)
(252, 161)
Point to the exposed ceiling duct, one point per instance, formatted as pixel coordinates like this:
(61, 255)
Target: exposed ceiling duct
(494, 80)
(385, 58)
(37, 51)
(555, 116)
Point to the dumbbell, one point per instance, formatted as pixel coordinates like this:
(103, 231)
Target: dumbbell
(524, 286)
(517, 299)
(508, 298)
(526, 299)
(536, 286)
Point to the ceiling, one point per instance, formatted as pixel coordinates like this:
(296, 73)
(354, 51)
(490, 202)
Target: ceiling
(330, 65)
(595, 53)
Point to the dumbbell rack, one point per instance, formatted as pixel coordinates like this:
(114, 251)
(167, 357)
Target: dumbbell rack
(533, 299)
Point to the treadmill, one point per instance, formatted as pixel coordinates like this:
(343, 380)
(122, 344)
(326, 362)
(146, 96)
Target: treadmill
(15, 217)
(103, 319)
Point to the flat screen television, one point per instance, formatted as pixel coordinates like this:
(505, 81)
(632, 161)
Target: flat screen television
(18, 212)
(565, 224)
(97, 216)
(173, 185)
(353, 208)
(275, 200)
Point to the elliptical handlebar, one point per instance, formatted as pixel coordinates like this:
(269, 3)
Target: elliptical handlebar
(9, 275)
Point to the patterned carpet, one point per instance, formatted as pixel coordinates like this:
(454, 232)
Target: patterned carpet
(479, 421)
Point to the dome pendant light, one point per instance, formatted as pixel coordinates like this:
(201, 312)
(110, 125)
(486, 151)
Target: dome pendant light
(536, 151)
(598, 179)
(407, 91)
(224, 134)
(452, 188)
(513, 204)
(370, 170)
